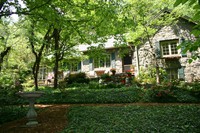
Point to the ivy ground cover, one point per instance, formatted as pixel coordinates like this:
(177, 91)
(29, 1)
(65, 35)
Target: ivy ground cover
(133, 118)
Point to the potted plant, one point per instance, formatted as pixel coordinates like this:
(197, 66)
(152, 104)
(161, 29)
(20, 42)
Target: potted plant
(99, 72)
(128, 72)
(132, 69)
(113, 70)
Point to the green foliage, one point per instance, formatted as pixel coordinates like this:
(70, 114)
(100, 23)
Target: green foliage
(11, 83)
(192, 46)
(77, 78)
(10, 113)
(148, 75)
(94, 85)
(172, 92)
(8, 96)
(133, 118)
(8, 88)
(104, 85)
(146, 20)
(97, 52)
(115, 93)
(92, 95)
(163, 93)
(105, 76)
(191, 2)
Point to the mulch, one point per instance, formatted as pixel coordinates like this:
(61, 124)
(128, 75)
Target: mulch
(52, 118)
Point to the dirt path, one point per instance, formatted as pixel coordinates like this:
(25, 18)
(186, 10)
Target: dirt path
(52, 118)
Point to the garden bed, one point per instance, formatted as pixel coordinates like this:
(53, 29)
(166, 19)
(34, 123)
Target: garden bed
(144, 117)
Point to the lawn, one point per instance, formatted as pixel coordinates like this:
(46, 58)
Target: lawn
(138, 119)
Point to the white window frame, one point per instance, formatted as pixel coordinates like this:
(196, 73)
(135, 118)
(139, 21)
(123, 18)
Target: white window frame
(169, 44)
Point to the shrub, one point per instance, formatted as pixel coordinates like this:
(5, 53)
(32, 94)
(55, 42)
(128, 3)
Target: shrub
(10, 113)
(77, 78)
(62, 85)
(148, 75)
(8, 89)
(105, 76)
(162, 93)
(94, 85)
(108, 85)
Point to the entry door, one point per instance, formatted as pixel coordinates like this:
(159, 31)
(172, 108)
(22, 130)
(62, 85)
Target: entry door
(127, 62)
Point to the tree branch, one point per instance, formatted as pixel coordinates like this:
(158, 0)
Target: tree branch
(21, 12)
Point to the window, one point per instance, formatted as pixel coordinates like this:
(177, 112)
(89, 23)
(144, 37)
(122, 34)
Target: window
(103, 62)
(169, 48)
(74, 66)
(42, 73)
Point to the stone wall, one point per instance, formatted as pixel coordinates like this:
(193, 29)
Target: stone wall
(177, 31)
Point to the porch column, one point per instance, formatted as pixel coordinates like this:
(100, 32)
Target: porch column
(137, 62)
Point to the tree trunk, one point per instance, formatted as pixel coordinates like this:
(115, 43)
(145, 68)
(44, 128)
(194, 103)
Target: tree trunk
(157, 75)
(38, 56)
(35, 73)
(2, 55)
(56, 47)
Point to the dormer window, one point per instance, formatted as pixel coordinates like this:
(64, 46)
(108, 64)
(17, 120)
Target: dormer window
(169, 48)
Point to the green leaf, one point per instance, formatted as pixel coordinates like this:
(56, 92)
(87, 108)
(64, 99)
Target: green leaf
(178, 2)
(190, 60)
(192, 2)
(184, 1)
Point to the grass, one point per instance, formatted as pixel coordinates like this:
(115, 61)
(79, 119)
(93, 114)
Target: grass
(133, 119)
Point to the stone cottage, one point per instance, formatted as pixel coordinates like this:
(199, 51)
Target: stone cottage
(165, 44)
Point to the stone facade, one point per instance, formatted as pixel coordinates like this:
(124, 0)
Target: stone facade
(180, 30)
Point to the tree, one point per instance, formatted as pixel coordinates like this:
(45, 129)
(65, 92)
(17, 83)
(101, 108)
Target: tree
(192, 46)
(73, 23)
(20, 7)
(4, 37)
(143, 19)
(16, 64)
(38, 51)
(10, 7)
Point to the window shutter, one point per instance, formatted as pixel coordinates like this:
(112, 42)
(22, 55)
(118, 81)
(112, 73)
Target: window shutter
(157, 50)
(113, 60)
(79, 66)
(90, 64)
(181, 74)
(183, 54)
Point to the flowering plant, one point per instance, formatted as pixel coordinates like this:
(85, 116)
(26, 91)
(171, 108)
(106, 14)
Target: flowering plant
(128, 71)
